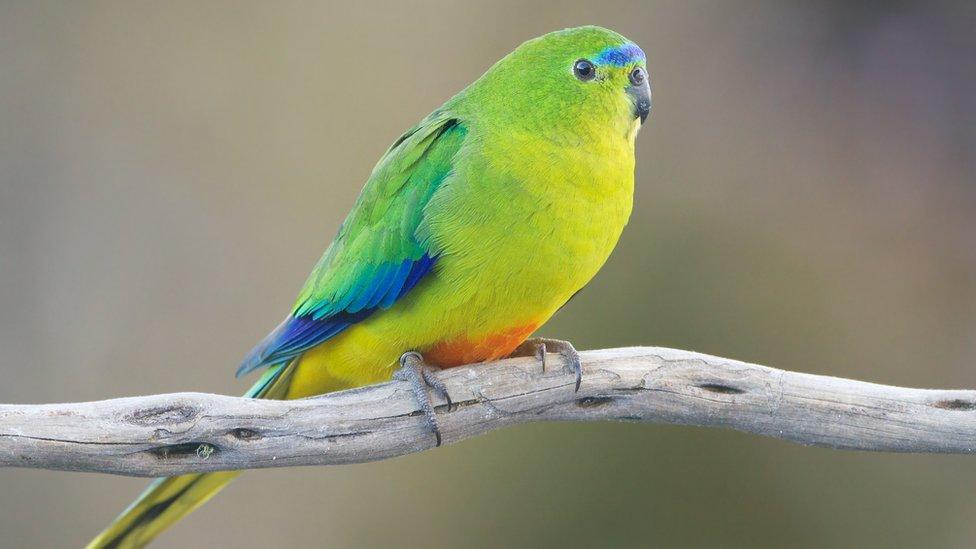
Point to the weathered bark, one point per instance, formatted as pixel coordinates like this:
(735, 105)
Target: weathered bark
(191, 432)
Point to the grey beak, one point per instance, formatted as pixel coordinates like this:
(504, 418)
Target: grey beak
(641, 96)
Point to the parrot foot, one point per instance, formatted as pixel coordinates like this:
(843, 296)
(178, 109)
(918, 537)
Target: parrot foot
(540, 346)
(421, 377)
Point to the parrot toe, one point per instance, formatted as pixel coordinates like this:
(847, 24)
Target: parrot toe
(422, 376)
(539, 347)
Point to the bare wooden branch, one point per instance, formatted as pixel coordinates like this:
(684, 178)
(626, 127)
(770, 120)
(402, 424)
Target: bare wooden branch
(192, 432)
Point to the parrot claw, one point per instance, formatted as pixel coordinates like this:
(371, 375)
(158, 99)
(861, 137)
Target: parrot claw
(421, 377)
(540, 346)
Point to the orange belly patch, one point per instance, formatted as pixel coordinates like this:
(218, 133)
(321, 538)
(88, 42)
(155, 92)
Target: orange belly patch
(460, 351)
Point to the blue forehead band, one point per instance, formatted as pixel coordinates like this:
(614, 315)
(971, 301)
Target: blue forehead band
(620, 56)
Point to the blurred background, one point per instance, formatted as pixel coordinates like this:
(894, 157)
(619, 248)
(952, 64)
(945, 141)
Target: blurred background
(806, 199)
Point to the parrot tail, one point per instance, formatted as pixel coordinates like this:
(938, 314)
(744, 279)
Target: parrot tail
(164, 502)
(169, 499)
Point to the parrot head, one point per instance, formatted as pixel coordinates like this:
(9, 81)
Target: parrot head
(568, 84)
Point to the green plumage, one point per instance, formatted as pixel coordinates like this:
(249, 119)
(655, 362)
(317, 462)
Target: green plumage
(473, 229)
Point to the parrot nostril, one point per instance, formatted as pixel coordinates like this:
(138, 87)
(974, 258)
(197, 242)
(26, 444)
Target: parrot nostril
(637, 76)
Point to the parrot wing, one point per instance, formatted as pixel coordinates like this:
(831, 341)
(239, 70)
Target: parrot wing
(382, 250)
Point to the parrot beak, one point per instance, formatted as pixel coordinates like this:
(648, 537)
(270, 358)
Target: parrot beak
(641, 97)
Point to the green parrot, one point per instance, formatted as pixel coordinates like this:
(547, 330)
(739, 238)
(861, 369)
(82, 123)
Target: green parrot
(473, 229)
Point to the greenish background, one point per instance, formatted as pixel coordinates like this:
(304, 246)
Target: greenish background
(169, 172)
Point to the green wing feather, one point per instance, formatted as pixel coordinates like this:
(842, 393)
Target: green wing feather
(382, 250)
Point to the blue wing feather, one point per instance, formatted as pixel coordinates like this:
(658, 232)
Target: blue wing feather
(298, 333)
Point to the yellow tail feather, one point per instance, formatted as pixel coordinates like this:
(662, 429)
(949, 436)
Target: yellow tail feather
(166, 501)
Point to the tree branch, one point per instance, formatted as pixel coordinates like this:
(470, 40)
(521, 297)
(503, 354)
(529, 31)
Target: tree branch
(193, 432)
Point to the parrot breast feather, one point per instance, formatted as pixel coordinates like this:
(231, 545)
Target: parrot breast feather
(382, 249)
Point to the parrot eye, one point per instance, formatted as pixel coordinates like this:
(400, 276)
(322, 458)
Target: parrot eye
(584, 70)
(637, 76)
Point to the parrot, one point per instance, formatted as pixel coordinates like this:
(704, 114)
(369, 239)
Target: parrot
(472, 230)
